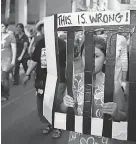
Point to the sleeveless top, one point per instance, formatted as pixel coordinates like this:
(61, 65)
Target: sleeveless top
(98, 100)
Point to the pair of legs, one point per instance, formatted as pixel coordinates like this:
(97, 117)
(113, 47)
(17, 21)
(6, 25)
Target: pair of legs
(17, 68)
(48, 129)
(6, 68)
(5, 85)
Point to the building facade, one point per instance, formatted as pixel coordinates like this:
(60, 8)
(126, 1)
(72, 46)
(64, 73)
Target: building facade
(31, 11)
(34, 9)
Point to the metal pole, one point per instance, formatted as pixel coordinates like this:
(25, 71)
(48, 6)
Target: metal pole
(7, 10)
(125, 1)
(73, 5)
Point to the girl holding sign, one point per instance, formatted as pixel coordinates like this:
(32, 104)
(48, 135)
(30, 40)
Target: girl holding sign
(116, 108)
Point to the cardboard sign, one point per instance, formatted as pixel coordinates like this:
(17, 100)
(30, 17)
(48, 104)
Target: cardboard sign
(85, 122)
(93, 18)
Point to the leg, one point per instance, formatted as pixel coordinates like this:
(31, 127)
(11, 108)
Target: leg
(39, 96)
(24, 63)
(5, 79)
(16, 73)
(2, 89)
(40, 107)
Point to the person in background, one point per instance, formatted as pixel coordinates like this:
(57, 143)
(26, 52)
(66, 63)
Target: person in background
(29, 31)
(121, 65)
(22, 51)
(35, 39)
(39, 61)
(8, 57)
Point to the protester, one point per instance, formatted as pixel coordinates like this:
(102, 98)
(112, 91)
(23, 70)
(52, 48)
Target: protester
(116, 108)
(121, 65)
(8, 57)
(39, 61)
(22, 51)
(35, 39)
(30, 32)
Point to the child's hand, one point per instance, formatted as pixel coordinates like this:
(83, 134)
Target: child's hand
(110, 108)
(68, 101)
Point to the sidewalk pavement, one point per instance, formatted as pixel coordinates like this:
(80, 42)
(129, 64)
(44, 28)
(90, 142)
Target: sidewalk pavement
(19, 90)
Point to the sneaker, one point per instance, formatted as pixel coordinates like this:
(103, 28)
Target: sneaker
(47, 129)
(56, 133)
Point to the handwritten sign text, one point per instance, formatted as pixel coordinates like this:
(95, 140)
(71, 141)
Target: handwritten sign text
(93, 18)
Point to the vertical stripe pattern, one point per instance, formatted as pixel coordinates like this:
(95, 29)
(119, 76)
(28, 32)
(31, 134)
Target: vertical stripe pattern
(88, 78)
(69, 79)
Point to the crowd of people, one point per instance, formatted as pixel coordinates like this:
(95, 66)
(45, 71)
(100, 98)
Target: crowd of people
(19, 48)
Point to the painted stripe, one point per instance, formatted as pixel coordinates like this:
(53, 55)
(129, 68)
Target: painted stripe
(60, 120)
(79, 124)
(48, 101)
(51, 81)
(132, 92)
(96, 126)
(88, 78)
(109, 81)
(69, 79)
(119, 130)
(58, 68)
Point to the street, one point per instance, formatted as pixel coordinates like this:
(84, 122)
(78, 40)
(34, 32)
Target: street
(19, 121)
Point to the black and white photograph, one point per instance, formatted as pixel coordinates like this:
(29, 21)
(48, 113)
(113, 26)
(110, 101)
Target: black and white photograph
(68, 72)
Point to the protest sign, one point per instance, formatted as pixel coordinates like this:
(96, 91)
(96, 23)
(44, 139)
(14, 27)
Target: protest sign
(81, 118)
(93, 18)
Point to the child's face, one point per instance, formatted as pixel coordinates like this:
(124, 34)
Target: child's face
(99, 59)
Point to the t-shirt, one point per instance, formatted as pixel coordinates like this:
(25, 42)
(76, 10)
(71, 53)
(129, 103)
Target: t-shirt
(39, 56)
(37, 38)
(6, 42)
(20, 44)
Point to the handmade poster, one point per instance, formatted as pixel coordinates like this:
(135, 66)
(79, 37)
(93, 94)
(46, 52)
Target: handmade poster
(91, 101)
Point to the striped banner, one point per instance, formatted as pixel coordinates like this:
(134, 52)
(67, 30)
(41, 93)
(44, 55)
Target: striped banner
(87, 124)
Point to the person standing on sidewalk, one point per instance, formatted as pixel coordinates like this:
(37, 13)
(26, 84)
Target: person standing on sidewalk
(22, 54)
(35, 39)
(39, 61)
(8, 57)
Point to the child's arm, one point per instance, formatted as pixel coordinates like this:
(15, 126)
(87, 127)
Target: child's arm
(121, 104)
(116, 108)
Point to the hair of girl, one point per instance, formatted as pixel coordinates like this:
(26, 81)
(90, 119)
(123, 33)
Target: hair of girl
(5, 24)
(21, 26)
(99, 42)
(39, 28)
